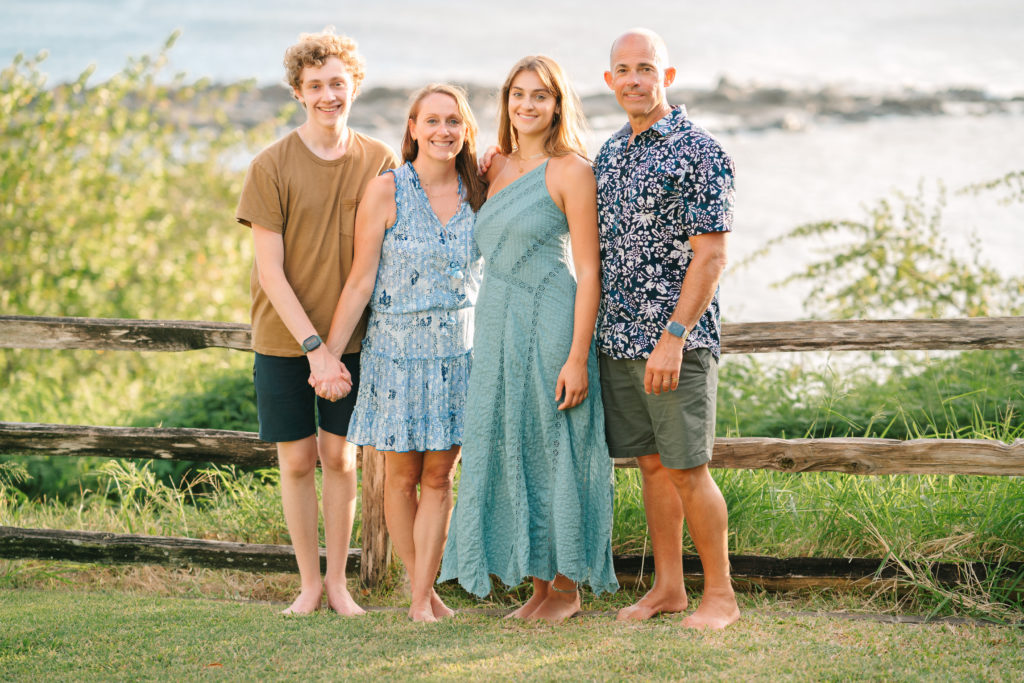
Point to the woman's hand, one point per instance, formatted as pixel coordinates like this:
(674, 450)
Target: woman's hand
(572, 384)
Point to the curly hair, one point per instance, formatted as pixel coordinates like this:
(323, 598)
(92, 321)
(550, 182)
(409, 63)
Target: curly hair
(314, 49)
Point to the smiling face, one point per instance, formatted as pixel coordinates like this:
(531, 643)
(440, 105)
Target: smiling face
(639, 78)
(326, 93)
(438, 127)
(531, 105)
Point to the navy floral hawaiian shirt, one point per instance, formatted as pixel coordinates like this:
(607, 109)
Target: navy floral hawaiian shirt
(673, 182)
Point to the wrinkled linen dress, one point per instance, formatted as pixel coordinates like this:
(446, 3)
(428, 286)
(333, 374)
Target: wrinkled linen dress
(535, 493)
(415, 360)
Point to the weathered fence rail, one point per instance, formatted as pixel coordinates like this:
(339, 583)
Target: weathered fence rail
(767, 572)
(31, 332)
(850, 455)
(107, 548)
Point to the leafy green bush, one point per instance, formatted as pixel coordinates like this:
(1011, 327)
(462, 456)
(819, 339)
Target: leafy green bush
(117, 201)
(895, 262)
(118, 198)
(226, 400)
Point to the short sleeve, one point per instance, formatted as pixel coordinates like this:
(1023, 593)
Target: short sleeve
(391, 161)
(260, 202)
(708, 194)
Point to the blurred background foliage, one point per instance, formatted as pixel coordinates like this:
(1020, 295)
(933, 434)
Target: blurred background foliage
(117, 202)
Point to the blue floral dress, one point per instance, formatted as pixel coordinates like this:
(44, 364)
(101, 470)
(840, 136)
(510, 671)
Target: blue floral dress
(414, 365)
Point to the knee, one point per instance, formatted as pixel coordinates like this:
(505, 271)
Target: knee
(339, 460)
(439, 479)
(403, 482)
(650, 466)
(296, 465)
(690, 480)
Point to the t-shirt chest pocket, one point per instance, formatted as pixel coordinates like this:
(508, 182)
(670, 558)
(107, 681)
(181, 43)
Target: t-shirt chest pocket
(348, 216)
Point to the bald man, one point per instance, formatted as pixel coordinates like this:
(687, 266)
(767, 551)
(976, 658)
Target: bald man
(665, 201)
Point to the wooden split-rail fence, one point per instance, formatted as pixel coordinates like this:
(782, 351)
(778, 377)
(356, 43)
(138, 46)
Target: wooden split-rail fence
(851, 455)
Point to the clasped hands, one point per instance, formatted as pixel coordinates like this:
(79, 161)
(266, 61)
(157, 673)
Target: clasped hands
(329, 377)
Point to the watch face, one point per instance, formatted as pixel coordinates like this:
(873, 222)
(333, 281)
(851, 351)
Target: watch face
(676, 329)
(310, 343)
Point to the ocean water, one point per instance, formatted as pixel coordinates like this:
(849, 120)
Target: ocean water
(880, 43)
(828, 169)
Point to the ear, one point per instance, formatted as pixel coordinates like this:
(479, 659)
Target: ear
(608, 79)
(412, 122)
(298, 96)
(670, 75)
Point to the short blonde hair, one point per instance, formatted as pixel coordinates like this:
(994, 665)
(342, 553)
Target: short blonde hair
(314, 49)
(568, 127)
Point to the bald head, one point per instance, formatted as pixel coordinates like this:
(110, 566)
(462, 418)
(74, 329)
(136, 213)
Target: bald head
(657, 45)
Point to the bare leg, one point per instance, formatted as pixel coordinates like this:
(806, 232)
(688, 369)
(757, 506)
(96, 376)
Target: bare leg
(430, 530)
(664, 510)
(709, 527)
(540, 593)
(297, 462)
(402, 473)
(562, 602)
(338, 461)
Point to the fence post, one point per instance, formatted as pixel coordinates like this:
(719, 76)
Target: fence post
(376, 542)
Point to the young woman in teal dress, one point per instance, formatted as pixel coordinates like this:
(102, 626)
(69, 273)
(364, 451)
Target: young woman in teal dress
(535, 493)
(417, 266)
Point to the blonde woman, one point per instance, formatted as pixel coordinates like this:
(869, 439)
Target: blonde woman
(416, 265)
(535, 494)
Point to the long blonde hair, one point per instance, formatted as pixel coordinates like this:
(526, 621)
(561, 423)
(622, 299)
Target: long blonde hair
(568, 125)
(465, 162)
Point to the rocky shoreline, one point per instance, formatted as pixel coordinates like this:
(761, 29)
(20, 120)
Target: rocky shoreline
(729, 107)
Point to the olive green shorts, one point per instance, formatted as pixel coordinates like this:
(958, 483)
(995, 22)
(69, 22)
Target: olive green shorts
(679, 425)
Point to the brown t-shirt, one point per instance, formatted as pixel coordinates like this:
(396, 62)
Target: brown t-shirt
(312, 203)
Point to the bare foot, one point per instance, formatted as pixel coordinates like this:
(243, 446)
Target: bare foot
(307, 602)
(654, 603)
(437, 606)
(530, 606)
(340, 600)
(421, 612)
(557, 607)
(717, 610)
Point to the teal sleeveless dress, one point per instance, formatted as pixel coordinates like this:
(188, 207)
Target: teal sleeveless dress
(535, 493)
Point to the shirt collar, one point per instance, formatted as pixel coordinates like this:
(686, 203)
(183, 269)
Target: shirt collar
(668, 123)
(663, 126)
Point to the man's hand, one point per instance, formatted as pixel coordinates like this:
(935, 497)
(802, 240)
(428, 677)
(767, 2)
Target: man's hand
(664, 365)
(572, 384)
(486, 159)
(328, 375)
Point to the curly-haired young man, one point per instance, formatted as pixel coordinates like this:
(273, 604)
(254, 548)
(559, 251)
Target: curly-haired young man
(299, 198)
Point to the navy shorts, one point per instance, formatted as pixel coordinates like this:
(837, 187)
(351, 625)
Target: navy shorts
(287, 406)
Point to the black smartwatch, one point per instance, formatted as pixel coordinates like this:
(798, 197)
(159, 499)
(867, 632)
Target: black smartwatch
(310, 343)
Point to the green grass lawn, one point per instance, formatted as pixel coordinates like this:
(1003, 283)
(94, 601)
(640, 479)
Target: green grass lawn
(101, 635)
